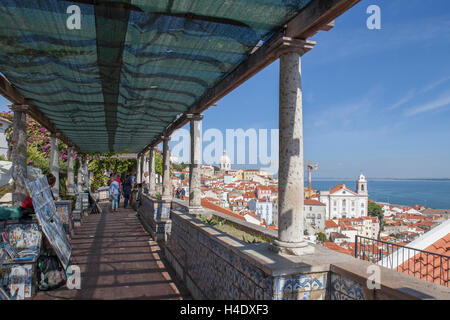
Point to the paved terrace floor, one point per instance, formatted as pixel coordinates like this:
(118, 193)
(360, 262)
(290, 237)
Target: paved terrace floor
(118, 260)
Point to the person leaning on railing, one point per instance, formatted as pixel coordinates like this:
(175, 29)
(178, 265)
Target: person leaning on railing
(146, 184)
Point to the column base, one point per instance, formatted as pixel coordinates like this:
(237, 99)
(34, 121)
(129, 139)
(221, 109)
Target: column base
(291, 248)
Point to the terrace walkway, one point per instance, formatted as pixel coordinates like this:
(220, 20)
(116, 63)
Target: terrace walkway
(118, 260)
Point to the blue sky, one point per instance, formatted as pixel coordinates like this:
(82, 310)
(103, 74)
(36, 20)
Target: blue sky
(374, 101)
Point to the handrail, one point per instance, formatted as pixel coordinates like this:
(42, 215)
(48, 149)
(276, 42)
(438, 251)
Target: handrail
(404, 264)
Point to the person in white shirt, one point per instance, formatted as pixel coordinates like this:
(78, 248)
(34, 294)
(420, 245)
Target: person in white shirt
(146, 182)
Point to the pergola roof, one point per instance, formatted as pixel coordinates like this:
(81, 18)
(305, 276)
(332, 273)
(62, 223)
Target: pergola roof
(136, 66)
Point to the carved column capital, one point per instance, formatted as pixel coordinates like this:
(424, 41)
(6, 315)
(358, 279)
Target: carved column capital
(287, 45)
(20, 108)
(194, 116)
(165, 137)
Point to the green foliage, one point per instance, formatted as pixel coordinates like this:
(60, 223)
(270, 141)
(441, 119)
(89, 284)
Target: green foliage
(157, 196)
(38, 159)
(321, 237)
(158, 164)
(3, 191)
(376, 211)
(38, 145)
(103, 164)
(213, 221)
(245, 239)
(179, 166)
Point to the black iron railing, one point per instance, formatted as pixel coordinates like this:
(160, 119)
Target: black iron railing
(426, 265)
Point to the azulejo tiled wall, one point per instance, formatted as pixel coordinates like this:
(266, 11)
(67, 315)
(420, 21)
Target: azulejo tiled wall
(220, 272)
(155, 215)
(343, 288)
(305, 286)
(215, 269)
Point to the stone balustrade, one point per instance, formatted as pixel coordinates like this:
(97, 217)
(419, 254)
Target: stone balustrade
(214, 265)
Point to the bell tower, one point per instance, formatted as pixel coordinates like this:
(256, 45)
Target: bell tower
(361, 185)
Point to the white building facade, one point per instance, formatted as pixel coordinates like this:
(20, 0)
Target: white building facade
(225, 162)
(4, 124)
(341, 202)
(263, 209)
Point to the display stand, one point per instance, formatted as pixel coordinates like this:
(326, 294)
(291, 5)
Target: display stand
(64, 209)
(48, 218)
(20, 251)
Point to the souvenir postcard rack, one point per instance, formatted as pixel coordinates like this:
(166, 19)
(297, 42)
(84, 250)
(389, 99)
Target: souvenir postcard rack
(20, 248)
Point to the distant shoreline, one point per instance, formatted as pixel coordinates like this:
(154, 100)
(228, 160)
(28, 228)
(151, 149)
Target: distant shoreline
(389, 179)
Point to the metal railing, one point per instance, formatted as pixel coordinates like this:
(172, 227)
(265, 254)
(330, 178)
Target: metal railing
(426, 265)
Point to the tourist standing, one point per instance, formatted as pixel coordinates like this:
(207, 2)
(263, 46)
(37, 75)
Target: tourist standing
(127, 187)
(117, 176)
(114, 192)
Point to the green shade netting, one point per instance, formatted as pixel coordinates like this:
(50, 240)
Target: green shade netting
(134, 66)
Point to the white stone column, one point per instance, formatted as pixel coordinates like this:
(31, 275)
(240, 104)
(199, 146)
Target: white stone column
(86, 173)
(70, 172)
(54, 164)
(195, 190)
(19, 154)
(152, 172)
(139, 169)
(144, 167)
(291, 170)
(167, 186)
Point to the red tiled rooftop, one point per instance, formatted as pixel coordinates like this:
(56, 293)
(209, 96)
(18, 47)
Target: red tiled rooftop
(429, 267)
(313, 202)
(206, 204)
(335, 247)
(330, 224)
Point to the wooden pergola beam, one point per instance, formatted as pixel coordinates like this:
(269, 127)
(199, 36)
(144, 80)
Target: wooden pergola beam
(12, 94)
(317, 15)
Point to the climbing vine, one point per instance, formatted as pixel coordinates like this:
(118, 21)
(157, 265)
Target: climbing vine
(100, 164)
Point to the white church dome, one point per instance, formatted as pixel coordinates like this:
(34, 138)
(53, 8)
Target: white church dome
(362, 177)
(173, 158)
(225, 162)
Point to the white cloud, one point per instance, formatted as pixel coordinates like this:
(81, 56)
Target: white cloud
(410, 95)
(435, 104)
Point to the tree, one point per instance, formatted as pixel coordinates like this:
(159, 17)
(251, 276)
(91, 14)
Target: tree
(376, 211)
(158, 164)
(103, 164)
(321, 237)
(38, 148)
